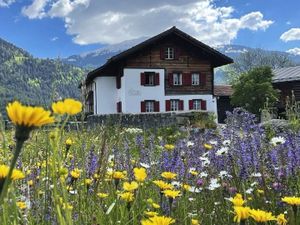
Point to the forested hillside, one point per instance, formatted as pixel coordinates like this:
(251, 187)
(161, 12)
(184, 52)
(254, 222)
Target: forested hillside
(32, 80)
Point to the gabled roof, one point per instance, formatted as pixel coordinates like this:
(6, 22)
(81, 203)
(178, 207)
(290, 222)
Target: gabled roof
(286, 74)
(223, 90)
(219, 58)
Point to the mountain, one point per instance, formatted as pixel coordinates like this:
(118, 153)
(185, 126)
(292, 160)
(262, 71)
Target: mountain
(33, 80)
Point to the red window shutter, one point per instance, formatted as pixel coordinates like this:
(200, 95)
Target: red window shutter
(119, 107)
(181, 105)
(156, 106)
(143, 106)
(170, 77)
(176, 53)
(191, 104)
(168, 105)
(162, 53)
(202, 79)
(203, 105)
(187, 79)
(143, 78)
(156, 78)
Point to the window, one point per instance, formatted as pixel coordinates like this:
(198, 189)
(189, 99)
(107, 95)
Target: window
(174, 105)
(177, 79)
(195, 79)
(197, 104)
(169, 53)
(149, 106)
(149, 78)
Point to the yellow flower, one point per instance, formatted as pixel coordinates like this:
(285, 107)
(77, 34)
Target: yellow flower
(88, 181)
(169, 147)
(207, 146)
(127, 196)
(241, 213)
(118, 175)
(16, 174)
(21, 205)
(140, 174)
(163, 185)
(281, 220)
(291, 200)
(130, 186)
(158, 220)
(102, 195)
(75, 173)
(261, 216)
(68, 106)
(186, 187)
(171, 193)
(259, 191)
(195, 222)
(169, 175)
(193, 172)
(69, 142)
(28, 116)
(150, 213)
(30, 182)
(237, 200)
(155, 206)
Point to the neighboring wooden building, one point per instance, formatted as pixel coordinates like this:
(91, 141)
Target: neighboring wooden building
(223, 93)
(169, 72)
(287, 80)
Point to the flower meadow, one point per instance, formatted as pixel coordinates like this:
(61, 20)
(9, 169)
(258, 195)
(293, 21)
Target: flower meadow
(239, 173)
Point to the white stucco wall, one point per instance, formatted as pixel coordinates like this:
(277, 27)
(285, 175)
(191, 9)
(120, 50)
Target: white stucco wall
(106, 95)
(132, 93)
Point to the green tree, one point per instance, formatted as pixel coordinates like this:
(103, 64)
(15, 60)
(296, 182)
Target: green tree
(252, 89)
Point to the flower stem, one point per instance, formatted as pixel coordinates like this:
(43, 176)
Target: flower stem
(7, 180)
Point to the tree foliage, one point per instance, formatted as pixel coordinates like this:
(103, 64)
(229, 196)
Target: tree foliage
(32, 80)
(256, 58)
(253, 89)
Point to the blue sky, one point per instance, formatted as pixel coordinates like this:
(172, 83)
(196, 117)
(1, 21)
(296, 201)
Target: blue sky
(59, 28)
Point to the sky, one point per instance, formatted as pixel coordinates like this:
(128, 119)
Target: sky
(60, 28)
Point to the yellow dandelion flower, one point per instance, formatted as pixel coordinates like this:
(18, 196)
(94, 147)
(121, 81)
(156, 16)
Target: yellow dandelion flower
(241, 213)
(261, 216)
(127, 196)
(118, 175)
(102, 195)
(150, 213)
(207, 146)
(171, 193)
(68, 106)
(237, 200)
(130, 186)
(69, 142)
(163, 185)
(140, 174)
(195, 222)
(16, 174)
(28, 116)
(155, 205)
(158, 220)
(186, 187)
(75, 174)
(193, 172)
(169, 175)
(291, 200)
(169, 147)
(88, 181)
(281, 220)
(21, 205)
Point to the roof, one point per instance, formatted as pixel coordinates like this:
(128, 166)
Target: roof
(223, 90)
(286, 74)
(220, 59)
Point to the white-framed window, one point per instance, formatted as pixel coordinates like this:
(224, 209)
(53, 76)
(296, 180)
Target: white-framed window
(177, 79)
(174, 105)
(195, 78)
(149, 106)
(169, 53)
(196, 104)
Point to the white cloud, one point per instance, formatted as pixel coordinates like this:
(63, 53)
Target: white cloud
(292, 34)
(6, 3)
(94, 21)
(54, 39)
(294, 51)
(36, 9)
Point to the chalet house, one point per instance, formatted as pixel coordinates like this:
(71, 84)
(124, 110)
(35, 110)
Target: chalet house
(168, 72)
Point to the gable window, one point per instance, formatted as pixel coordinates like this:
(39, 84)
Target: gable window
(177, 79)
(195, 79)
(149, 106)
(169, 53)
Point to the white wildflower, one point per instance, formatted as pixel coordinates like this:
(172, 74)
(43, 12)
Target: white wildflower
(226, 142)
(277, 140)
(249, 191)
(213, 184)
(145, 165)
(256, 175)
(190, 144)
(222, 151)
(213, 142)
(203, 174)
(224, 174)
